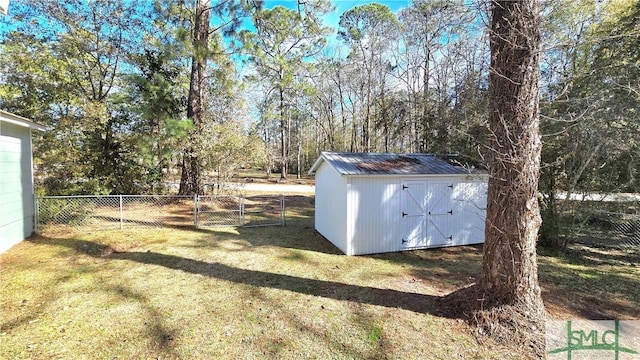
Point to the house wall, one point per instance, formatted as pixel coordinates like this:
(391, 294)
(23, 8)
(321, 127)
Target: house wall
(16, 185)
(331, 206)
(374, 212)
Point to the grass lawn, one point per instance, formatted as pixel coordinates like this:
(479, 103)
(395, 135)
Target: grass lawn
(272, 292)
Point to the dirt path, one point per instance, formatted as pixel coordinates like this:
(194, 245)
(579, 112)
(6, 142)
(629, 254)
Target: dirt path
(280, 188)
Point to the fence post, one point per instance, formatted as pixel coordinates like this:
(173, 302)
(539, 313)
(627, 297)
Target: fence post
(241, 210)
(121, 213)
(282, 213)
(36, 211)
(195, 210)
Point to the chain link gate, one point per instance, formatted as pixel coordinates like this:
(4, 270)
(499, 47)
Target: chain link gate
(250, 211)
(263, 211)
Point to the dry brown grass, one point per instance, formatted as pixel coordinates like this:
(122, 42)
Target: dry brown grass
(281, 292)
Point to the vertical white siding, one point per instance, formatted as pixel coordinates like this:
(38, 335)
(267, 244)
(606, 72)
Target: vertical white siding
(373, 214)
(413, 213)
(331, 206)
(470, 205)
(362, 214)
(16, 185)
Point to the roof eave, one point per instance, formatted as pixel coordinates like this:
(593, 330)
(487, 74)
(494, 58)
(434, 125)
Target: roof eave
(407, 174)
(317, 163)
(20, 121)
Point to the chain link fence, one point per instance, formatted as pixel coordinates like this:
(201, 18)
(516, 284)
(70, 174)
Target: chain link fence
(250, 211)
(130, 211)
(602, 224)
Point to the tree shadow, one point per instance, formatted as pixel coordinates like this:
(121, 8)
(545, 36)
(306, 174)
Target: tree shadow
(446, 268)
(298, 235)
(591, 283)
(172, 222)
(596, 256)
(419, 303)
(157, 330)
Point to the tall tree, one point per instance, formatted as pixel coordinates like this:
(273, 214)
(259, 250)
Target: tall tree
(509, 266)
(89, 45)
(203, 47)
(283, 42)
(368, 30)
(191, 179)
(158, 100)
(433, 37)
(589, 106)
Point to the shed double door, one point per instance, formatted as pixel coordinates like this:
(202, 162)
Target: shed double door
(426, 213)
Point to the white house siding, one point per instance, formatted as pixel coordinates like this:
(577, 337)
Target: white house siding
(331, 206)
(16, 185)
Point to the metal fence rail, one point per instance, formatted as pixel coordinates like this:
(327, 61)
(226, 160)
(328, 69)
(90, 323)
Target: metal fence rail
(129, 211)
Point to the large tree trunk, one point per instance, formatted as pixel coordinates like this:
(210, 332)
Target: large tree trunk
(191, 179)
(510, 273)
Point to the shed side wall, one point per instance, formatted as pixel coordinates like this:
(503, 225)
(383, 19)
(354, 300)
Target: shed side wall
(16, 185)
(373, 207)
(470, 207)
(330, 206)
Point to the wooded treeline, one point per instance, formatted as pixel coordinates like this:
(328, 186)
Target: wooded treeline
(114, 82)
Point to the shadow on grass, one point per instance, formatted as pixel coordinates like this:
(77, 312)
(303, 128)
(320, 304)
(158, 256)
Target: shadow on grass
(447, 268)
(415, 302)
(605, 290)
(157, 331)
(19, 321)
(299, 235)
(596, 256)
(590, 285)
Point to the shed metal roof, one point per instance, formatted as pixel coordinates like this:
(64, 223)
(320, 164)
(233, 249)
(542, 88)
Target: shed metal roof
(387, 164)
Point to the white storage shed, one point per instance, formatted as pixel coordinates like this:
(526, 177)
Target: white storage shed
(16, 179)
(369, 203)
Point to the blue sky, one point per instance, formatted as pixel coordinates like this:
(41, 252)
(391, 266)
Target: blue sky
(9, 23)
(332, 19)
(341, 6)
